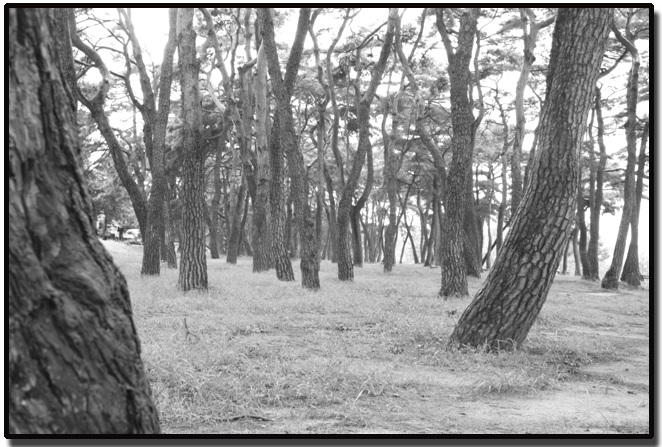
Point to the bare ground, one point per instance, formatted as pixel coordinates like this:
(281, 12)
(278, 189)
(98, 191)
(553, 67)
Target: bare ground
(254, 355)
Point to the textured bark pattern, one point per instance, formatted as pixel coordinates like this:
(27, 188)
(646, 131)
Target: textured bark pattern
(453, 272)
(610, 281)
(193, 262)
(289, 143)
(73, 354)
(281, 257)
(262, 255)
(511, 297)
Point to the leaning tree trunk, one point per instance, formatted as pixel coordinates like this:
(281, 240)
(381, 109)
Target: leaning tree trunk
(453, 271)
(73, 354)
(610, 280)
(511, 297)
(193, 262)
(631, 273)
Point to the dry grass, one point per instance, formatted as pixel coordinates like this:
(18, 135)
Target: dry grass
(255, 355)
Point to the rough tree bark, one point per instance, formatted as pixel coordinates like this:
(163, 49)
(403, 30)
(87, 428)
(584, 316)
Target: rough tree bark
(511, 297)
(610, 280)
(193, 262)
(453, 271)
(73, 354)
(287, 138)
(262, 249)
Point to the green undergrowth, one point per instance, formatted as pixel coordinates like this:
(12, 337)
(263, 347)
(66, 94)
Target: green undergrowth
(254, 347)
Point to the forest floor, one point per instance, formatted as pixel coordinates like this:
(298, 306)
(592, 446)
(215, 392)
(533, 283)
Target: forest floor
(258, 356)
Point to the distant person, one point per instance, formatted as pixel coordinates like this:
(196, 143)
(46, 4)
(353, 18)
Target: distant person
(120, 231)
(101, 223)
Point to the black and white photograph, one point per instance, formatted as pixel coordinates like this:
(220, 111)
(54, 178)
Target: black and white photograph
(324, 222)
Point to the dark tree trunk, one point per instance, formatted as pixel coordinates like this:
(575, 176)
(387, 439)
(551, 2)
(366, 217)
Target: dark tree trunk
(356, 211)
(575, 252)
(262, 244)
(235, 225)
(453, 271)
(391, 184)
(592, 270)
(155, 234)
(472, 239)
(193, 262)
(332, 218)
(288, 141)
(511, 297)
(631, 273)
(280, 237)
(73, 354)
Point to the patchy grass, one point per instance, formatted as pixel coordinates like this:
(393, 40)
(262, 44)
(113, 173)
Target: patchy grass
(255, 355)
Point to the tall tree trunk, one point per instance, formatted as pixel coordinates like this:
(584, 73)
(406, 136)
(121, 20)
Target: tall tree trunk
(506, 306)
(453, 271)
(529, 37)
(155, 234)
(391, 183)
(73, 356)
(610, 280)
(345, 266)
(631, 273)
(193, 262)
(310, 261)
(592, 271)
(263, 251)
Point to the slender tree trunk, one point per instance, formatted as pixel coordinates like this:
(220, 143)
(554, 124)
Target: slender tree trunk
(529, 37)
(575, 251)
(472, 240)
(345, 266)
(356, 210)
(610, 280)
(631, 273)
(193, 262)
(511, 297)
(73, 363)
(593, 265)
